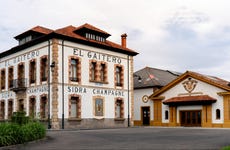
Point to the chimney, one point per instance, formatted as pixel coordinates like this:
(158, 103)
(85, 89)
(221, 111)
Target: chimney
(123, 40)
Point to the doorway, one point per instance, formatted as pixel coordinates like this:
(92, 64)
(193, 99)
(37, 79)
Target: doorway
(145, 116)
(190, 118)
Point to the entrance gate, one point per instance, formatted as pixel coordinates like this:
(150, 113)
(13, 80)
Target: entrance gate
(190, 118)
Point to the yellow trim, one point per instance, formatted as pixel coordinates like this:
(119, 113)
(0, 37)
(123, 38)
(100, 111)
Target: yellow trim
(158, 98)
(137, 123)
(217, 125)
(223, 93)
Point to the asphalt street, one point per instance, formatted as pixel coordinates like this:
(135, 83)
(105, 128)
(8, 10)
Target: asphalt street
(132, 138)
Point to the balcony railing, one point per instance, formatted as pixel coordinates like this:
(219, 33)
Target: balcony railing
(18, 84)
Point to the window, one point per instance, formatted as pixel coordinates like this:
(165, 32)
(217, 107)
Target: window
(3, 79)
(75, 107)
(21, 105)
(217, 113)
(21, 82)
(99, 106)
(2, 110)
(74, 70)
(21, 71)
(118, 76)
(43, 108)
(44, 68)
(32, 72)
(91, 36)
(103, 72)
(93, 71)
(98, 71)
(24, 40)
(166, 115)
(10, 109)
(10, 77)
(32, 107)
(119, 108)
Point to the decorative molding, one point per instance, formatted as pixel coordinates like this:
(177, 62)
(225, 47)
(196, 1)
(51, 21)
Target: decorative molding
(190, 85)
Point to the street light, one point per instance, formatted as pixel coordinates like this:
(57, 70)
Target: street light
(52, 66)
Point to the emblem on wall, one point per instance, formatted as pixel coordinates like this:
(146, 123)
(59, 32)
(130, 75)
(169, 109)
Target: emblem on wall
(145, 98)
(190, 85)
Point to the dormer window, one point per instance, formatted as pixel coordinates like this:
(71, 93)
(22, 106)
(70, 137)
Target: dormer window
(24, 40)
(91, 36)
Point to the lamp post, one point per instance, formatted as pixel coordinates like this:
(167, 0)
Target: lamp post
(52, 66)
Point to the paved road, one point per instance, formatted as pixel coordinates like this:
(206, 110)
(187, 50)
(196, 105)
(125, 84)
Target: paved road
(133, 138)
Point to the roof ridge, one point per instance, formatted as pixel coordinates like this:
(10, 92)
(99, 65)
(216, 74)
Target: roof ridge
(91, 27)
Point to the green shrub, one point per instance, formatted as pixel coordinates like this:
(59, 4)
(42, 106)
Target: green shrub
(13, 133)
(20, 118)
(10, 134)
(33, 131)
(226, 148)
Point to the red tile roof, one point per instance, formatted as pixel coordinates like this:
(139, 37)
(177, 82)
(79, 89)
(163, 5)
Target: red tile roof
(41, 29)
(38, 29)
(70, 32)
(91, 27)
(211, 79)
(198, 99)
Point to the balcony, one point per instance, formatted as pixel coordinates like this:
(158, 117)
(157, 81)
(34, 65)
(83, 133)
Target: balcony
(18, 84)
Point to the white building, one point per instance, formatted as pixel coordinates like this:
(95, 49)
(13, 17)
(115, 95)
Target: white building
(71, 77)
(147, 81)
(193, 99)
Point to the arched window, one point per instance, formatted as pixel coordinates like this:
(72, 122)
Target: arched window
(217, 113)
(166, 115)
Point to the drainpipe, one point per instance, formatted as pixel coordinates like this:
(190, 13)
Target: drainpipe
(63, 117)
(49, 124)
(128, 93)
(124, 44)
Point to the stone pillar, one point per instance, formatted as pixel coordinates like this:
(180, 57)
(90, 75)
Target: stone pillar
(207, 116)
(157, 112)
(54, 85)
(172, 116)
(226, 109)
(131, 86)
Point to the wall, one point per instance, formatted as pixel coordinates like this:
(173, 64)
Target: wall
(138, 103)
(202, 87)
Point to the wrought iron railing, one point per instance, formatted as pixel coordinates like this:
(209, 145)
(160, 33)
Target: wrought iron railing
(18, 84)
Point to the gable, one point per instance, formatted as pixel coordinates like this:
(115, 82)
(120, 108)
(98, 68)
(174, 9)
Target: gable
(201, 83)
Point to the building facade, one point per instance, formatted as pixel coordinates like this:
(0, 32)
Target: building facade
(71, 77)
(193, 99)
(147, 81)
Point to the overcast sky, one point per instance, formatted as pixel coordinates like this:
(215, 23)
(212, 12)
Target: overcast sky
(175, 35)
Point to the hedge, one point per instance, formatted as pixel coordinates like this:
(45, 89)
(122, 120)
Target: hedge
(12, 133)
(20, 130)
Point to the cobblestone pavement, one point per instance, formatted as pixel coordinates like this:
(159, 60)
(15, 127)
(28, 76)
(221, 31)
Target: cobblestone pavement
(132, 138)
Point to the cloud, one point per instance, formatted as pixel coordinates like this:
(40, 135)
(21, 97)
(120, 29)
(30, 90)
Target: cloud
(175, 35)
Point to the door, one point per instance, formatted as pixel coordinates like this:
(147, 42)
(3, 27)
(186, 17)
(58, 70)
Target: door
(190, 118)
(145, 116)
